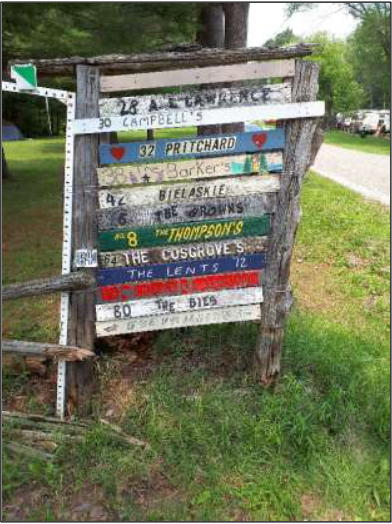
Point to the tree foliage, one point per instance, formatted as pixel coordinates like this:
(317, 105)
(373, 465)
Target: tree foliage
(338, 86)
(371, 60)
(284, 38)
(38, 30)
(60, 29)
(369, 48)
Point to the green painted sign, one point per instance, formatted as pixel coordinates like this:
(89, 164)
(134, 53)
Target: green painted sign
(25, 76)
(183, 233)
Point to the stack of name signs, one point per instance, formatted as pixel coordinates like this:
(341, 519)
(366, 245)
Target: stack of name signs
(183, 224)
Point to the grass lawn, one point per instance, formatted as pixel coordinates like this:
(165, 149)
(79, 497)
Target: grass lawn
(369, 144)
(316, 447)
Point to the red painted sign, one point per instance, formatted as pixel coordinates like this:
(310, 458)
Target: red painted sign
(179, 286)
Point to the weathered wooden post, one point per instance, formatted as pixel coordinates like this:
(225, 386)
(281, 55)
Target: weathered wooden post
(79, 383)
(275, 278)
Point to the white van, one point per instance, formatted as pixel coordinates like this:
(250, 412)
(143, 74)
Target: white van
(370, 122)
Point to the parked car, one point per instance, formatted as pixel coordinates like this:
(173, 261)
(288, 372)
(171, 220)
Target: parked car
(370, 123)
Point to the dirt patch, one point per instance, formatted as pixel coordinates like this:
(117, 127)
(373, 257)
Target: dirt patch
(37, 394)
(87, 505)
(314, 288)
(82, 508)
(27, 497)
(335, 515)
(355, 262)
(154, 491)
(310, 504)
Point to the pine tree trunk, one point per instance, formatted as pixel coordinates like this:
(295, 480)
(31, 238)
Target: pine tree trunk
(236, 30)
(211, 34)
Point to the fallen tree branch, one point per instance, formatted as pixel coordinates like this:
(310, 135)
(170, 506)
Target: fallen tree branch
(27, 450)
(55, 351)
(131, 440)
(44, 286)
(49, 432)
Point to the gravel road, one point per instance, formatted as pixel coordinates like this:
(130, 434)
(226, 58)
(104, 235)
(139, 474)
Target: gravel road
(365, 173)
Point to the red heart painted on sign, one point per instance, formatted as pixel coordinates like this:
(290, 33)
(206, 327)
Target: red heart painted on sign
(117, 152)
(259, 139)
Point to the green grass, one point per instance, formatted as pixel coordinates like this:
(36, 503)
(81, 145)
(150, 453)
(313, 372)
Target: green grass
(368, 144)
(316, 447)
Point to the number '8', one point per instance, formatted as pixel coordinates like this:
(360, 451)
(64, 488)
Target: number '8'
(132, 239)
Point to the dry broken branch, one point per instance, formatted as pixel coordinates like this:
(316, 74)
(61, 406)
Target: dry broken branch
(55, 351)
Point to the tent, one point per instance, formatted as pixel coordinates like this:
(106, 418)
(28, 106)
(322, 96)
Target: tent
(11, 132)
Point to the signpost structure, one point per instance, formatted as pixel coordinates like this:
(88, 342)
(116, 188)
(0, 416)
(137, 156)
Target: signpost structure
(188, 231)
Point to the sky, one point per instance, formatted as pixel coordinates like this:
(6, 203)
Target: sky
(267, 19)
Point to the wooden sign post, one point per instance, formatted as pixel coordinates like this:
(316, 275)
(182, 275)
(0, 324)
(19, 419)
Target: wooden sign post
(81, 331)
(277, 292)
(187, 231)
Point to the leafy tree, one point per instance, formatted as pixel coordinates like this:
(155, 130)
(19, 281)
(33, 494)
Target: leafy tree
(90, 28)
(376, 16)
(58, 29)
(369, 47)
(371, 62)
(338, 86)
(284, 38)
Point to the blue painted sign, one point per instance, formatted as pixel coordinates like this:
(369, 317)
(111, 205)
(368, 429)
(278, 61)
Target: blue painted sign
(190, 147)
(181, 269)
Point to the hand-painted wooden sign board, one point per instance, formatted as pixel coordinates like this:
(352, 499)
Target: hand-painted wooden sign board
(193, 146)
(183, 233)
(176, 320)
(178, 286)
(187, 268)
(200, 75)
(198, 117)
(165, 193)
(190, 169)
(161, 255)
(178, 304)
(232, 207)
(205, 98)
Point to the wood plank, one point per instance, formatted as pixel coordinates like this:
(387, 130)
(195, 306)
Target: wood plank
(197, 76)
(176, 320)
(198, 117)
(177, 56)
(44, 286)
(178, 286)
(192, 146)
(27, 349)
(204, 98)
(210, 208)
(185, 268)
(197, 168)
(159, 194)
(178, 304)
(159, 255)
(183, 233)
